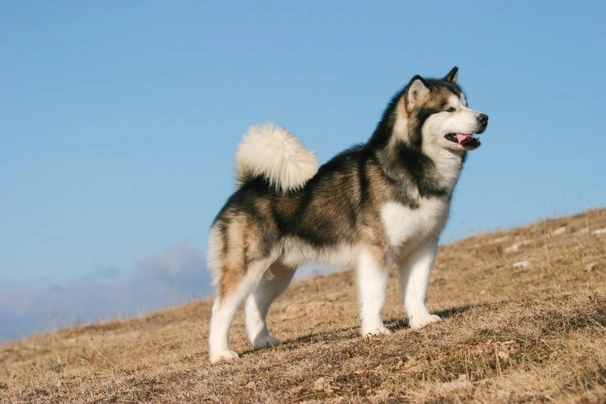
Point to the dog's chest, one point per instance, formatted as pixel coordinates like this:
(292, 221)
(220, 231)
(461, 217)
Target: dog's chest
(404, 225)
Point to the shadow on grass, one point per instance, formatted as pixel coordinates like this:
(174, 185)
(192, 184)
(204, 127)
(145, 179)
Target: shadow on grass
(400, 324)
(342, 334)
(350, 333)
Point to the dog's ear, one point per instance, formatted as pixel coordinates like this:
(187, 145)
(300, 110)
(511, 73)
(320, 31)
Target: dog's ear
(452, 75)
(416, 89)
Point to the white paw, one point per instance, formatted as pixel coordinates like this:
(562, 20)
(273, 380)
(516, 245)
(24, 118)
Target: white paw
(368, 331)
(263, 341)
(420, 322)
(223, 356)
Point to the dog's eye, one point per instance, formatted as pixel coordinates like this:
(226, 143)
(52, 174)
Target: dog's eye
(451, 109)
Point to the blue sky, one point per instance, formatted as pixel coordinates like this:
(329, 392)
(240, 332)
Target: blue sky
(119, 121)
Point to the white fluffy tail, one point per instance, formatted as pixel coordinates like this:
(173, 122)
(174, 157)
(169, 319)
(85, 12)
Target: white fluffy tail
(272, 152)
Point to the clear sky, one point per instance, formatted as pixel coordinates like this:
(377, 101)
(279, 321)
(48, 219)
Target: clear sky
(119, 121)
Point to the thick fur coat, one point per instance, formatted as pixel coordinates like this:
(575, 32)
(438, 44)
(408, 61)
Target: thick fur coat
(375, 205)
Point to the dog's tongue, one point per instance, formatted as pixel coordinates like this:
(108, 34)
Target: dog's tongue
(463, 138)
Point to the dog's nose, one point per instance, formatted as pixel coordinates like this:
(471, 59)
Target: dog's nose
(483, 119)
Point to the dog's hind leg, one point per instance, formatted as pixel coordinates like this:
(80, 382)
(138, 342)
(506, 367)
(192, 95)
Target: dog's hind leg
(274, 282)
(372, 274)
(223, 314)
(232, 292)
(414, 282)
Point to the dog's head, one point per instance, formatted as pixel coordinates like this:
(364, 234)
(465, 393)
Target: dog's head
(436, 112)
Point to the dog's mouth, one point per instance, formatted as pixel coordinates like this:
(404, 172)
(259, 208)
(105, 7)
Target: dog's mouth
(467, 141)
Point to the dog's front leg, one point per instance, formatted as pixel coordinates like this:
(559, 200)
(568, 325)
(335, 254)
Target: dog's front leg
(372, 274)
(414, 274)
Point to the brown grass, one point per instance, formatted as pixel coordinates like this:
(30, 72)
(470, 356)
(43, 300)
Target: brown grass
(527, 334)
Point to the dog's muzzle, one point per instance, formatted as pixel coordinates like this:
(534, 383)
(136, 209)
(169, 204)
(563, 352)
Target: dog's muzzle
(482, 123)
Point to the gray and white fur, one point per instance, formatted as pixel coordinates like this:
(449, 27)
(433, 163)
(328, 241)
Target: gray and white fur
(375, 205)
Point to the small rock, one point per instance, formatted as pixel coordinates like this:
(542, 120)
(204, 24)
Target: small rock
(559, 231)
(591, 267)
(515, 247)
(581, 231)
(598, 232)
(521, 264)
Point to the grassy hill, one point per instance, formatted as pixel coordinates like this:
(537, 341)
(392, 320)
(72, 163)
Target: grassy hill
(513, 331)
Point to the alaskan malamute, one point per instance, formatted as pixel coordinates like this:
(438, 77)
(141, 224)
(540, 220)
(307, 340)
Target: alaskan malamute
(374, 205)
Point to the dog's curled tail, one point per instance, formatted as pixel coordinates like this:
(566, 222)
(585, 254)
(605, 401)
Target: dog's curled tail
(270, 151)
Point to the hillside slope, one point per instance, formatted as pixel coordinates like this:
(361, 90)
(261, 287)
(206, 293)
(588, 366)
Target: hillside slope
(512, 332)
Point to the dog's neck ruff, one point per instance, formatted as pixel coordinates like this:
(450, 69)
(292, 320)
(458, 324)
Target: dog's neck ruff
(424, 171)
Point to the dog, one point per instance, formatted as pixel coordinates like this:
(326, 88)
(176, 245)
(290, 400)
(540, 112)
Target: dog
(375, 205)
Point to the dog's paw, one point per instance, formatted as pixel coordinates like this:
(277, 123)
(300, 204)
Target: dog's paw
(264, 341)
(420, 322)
(223, 356)
(370, 331)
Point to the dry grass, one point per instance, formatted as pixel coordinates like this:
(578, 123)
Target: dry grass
(527, 334)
